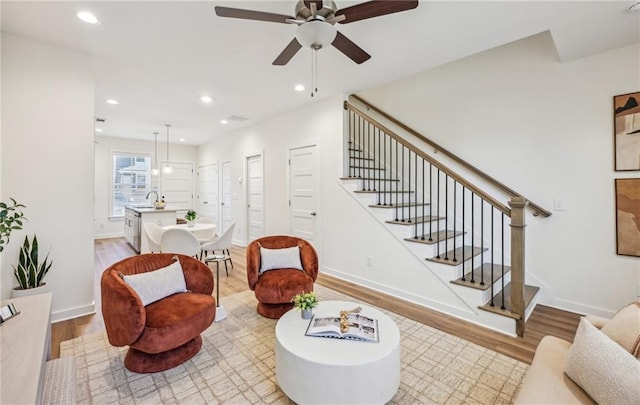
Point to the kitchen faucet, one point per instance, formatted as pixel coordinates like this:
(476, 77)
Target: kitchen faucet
(154, 192)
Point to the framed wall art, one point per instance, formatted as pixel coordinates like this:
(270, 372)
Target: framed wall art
(628, 217)
(626, 128)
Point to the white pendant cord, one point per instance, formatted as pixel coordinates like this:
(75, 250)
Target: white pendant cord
(155, 170)
(168, 169)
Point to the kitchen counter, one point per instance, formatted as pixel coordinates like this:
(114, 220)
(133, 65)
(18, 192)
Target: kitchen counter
(151, 209)
(137, 216)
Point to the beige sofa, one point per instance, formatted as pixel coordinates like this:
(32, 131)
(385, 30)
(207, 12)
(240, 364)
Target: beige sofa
(546, 381)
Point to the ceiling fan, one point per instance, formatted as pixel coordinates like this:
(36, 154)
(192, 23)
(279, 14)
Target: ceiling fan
(316, 24)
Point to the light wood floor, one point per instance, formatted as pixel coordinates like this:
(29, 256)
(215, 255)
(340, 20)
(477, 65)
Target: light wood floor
(544, 320)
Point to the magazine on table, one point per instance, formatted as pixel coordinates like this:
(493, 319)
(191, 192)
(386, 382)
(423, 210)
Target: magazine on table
(357, 327)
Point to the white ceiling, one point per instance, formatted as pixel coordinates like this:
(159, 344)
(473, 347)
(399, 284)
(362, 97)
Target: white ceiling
(158, 58)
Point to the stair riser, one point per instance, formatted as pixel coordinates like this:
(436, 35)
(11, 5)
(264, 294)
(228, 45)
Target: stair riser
(472, 295)
(389, 213)
(429, 250)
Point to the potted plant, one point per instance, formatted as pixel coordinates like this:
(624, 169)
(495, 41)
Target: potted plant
(305, 302)
(11, 218)
(190, 217)
(30, 272)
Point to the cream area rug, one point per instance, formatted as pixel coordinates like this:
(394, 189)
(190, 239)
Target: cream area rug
(236, 365)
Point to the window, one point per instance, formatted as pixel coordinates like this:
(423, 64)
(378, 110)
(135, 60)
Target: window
(131, 181)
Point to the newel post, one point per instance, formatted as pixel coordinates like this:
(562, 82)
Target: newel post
(518, 206)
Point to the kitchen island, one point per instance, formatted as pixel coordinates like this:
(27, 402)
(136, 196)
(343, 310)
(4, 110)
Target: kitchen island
(137, 216)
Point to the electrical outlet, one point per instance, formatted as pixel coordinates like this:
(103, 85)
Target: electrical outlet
(101, 225)
(368, 261)
(558, 205)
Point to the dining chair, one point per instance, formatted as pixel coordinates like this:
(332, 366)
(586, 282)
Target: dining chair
(205, 235)
(223, 244)
(154, 233)
(180, 241)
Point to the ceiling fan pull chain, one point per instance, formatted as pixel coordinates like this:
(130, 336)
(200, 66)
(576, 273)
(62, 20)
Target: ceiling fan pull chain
(315, 85)
(312, 72)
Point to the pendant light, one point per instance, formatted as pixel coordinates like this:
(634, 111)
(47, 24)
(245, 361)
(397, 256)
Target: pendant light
(167, 169)
(155, 171)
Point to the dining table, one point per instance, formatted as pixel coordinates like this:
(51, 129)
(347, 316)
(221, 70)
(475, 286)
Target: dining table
(192, 228)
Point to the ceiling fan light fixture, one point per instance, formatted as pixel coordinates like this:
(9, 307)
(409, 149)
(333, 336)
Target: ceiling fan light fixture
(316, 34)
(299, 87)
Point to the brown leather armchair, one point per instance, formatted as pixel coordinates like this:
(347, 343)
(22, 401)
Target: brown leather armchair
(164, 333)
(274, 289)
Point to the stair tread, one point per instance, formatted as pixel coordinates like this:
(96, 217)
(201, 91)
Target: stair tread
(366, 178)
(469, 251)
(529, 292)
(360, 158)
(485, 268)
(368, 168)
(414, 221)
(383, 191)
(401, 205)
(435, 237)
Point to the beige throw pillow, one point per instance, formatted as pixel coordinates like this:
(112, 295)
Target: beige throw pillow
(286, 258)
(157, 284)
(602, 368)
(624, 328)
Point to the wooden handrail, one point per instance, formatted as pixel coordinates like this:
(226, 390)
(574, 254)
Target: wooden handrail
(500, 206)
(538, 210)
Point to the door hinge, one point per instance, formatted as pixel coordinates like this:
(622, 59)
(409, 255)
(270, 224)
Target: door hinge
(289, 203)
(289, 162)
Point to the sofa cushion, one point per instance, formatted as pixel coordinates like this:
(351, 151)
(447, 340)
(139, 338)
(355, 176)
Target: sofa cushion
(157, 284)
(285, 258)
(280, 286)
(624, 328)
(174, 321)
(602, 368)
(545, 381)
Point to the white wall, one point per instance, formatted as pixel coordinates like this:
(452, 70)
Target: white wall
(47, 164)
(540, 126)
(543, 128)
(104, 226)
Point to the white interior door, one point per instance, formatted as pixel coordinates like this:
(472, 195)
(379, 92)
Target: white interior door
(208, 194)
(304, 193)
(255, 198)
(227, 219)
(177, 186)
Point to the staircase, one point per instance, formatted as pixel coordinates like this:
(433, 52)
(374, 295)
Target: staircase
(473, 242)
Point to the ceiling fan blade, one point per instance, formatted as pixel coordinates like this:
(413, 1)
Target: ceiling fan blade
(375, 8)
(353, 51)
(288, 53)
(251, 15)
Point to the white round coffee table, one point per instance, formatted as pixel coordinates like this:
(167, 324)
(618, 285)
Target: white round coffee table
(318, 370)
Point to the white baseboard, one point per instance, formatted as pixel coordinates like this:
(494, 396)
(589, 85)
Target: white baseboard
(581, 308)
(72, 313)
(108, 236)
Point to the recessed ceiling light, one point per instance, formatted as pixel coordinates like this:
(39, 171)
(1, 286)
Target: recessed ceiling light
(112, 101)
(224, 121)
(88, 17)
(98, 129)
(634, 6)
(206, 99)
(181, 139)
(299, 87)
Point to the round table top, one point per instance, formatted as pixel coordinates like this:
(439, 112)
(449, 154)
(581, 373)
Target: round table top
(198, 226)
(291, 328)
